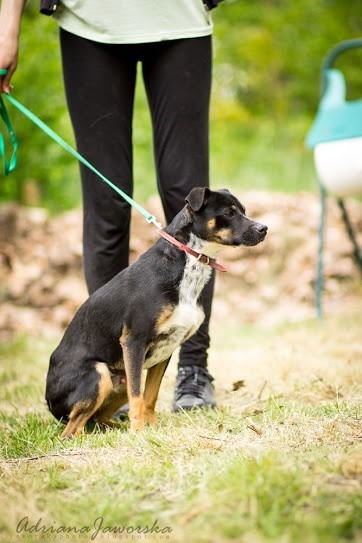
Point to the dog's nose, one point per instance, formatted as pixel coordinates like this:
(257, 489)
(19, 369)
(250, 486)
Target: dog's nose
(261, 228)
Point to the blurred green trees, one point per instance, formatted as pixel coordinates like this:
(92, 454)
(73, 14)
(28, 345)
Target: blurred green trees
(267, 60)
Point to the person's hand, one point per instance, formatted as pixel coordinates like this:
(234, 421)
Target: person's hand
(10, 19)
(9, 48)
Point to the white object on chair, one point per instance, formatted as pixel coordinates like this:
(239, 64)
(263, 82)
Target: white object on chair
(339, 166)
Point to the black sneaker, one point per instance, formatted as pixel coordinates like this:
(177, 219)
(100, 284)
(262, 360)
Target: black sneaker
(194, 389)
(122, 412)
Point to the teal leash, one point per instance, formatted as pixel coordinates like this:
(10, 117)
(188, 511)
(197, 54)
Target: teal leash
(10, 165)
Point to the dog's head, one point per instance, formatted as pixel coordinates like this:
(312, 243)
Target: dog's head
(218, 217)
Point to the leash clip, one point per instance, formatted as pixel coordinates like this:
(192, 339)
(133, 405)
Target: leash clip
(152, 220)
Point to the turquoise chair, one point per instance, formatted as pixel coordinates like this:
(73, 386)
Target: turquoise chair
(336, 137)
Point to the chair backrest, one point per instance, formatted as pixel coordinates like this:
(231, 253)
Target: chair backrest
(337, 118)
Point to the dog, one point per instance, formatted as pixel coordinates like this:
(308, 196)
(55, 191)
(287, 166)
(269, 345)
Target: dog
(142, 315)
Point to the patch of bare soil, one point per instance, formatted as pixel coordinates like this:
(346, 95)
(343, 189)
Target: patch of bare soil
(42, 285)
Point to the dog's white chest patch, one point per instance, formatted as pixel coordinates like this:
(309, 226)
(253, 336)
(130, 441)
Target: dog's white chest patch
(187, 316)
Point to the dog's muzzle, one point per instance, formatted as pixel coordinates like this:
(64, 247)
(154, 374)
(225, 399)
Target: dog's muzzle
(254, 234)
(261, 229)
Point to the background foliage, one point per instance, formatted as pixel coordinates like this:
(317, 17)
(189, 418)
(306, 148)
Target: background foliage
(267, 59)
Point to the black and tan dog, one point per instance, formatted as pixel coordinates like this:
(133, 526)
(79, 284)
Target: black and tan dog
(142, 315)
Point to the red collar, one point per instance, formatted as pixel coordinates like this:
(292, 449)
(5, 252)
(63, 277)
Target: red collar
(199, 256)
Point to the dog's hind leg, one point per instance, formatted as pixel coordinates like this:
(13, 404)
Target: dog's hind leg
(152, 387)
(83, 409)
(116, 398)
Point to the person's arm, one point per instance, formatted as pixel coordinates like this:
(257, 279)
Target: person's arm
(10, 19)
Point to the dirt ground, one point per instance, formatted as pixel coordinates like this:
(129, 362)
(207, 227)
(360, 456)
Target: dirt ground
(41, 279)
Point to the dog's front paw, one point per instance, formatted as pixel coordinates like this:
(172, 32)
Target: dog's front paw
(137, 424)
(150, 417)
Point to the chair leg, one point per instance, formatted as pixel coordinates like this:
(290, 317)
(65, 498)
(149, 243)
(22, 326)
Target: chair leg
(320, 279)
(356, 250)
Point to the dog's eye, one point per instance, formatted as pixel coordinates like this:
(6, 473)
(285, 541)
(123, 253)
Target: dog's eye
(229, 213)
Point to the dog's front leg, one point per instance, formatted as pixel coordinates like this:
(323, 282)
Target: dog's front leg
(152, 387)
(133, 356)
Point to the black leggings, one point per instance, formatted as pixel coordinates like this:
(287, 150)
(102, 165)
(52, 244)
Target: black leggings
(100, 83)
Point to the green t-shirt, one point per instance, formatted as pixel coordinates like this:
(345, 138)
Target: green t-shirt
(134, 21)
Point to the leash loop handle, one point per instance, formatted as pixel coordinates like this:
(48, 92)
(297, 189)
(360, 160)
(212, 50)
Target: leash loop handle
(9, 165)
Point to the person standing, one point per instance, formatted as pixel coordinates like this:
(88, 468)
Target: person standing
(101, 45)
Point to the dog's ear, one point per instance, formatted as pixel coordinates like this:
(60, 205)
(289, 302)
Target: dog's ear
(197, 198)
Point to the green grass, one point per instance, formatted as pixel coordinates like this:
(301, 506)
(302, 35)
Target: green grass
(280, 460)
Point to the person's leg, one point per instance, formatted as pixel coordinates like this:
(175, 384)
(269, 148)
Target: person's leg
(177, 77)
(99, 83)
